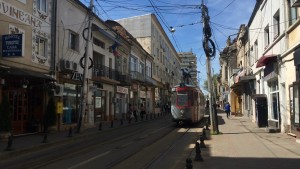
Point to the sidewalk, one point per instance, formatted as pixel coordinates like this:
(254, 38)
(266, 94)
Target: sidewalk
(242, 145)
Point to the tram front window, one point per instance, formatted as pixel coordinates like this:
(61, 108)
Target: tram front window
(182, 98)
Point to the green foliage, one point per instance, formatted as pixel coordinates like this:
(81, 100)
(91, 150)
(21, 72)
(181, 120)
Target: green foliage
(215, 81)
(5, 115)
(50, 115)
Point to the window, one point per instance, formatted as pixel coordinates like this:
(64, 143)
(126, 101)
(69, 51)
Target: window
(255, 50)
(293, 13)
(182, 98)
(42, 5)
(41, 46)
(133, 64)
(73, 41)
(99, 43)
(267, 36)
(276, 24)
(142, 68)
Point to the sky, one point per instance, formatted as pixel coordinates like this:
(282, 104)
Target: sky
(184, 16)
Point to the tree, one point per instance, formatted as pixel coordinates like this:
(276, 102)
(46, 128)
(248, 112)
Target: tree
(215, 82)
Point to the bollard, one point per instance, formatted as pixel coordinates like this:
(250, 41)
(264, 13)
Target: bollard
(100, 126)
(121, 122)
(198, 156)
(70, 132)
(188, 163)
(146, 116)
(202, 145)
(204, 134)
(9, 142)
(112, 124)
(45, 138)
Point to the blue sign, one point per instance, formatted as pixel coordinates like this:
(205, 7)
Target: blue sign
(12, 45)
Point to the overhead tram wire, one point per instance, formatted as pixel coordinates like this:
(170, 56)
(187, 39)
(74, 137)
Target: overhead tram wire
(224, 9)
(166, 25)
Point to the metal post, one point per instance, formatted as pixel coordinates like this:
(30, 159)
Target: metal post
(206, 27)
(85, 69)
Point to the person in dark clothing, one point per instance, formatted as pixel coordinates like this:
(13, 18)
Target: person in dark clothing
(135, 113)
(143, 112)
(227, 109)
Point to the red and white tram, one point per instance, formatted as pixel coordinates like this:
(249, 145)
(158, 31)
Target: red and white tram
(187, 104)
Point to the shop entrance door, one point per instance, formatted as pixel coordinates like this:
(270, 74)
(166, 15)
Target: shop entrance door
(18, 99)
(262, 111)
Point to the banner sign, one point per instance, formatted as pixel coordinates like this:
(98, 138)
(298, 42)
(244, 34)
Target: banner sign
(12, 45)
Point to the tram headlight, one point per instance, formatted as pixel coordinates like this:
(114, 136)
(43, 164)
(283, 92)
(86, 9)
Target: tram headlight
(181, 111)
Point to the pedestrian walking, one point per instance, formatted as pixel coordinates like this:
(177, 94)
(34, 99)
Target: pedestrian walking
(227, 109)
(143, 111)
(135, 112)
(129, 113)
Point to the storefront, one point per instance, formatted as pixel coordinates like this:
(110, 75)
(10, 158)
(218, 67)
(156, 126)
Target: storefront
(294, 93)
(27, 92)
(121, 101)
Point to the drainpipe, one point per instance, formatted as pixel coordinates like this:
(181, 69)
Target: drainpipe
(53, 40)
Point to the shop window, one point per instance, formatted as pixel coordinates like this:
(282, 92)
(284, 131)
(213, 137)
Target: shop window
(296, 115)
(274, 99)
(71, 97)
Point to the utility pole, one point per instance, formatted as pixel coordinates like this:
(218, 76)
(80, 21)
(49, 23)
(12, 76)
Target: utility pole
(209, 49)
(84, 91)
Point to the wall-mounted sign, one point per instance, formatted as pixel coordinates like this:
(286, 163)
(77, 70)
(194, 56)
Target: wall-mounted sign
(12, 45)
(123, 90)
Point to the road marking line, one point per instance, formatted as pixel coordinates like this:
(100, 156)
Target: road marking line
(89, 160)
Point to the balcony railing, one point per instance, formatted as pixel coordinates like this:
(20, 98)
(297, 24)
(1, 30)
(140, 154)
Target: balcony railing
(149, 80)
(124, 79)
(104, 71)
(137, 76)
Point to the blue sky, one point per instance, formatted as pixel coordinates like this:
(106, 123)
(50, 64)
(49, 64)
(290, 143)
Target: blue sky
(185, 16)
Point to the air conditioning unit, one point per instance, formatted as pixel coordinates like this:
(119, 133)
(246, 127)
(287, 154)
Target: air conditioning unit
(66, 65)
(58, 90)
(74, 66)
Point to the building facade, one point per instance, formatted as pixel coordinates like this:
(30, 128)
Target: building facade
(166, 68)
(26, 62)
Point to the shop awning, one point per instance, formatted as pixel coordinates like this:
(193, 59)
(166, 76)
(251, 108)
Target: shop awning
(264, 60)
(29, 74)
(246, 78)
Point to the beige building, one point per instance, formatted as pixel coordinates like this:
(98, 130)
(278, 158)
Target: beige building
(26, 62)
(166, 68)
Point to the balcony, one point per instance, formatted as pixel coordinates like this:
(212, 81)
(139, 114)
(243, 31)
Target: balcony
(125, 79)
(150, 81)
(104, 73)
(137, 76)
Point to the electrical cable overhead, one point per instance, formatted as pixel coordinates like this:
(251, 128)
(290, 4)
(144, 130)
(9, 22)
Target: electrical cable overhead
(223, 9)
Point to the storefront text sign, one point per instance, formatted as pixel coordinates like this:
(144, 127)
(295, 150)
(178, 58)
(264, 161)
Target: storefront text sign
(12, 45)
(22, 16)
(59, 108)
(77, 76)
(123, 90)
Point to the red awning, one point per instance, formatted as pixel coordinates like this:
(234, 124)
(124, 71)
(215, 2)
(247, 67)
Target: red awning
(264, 60)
